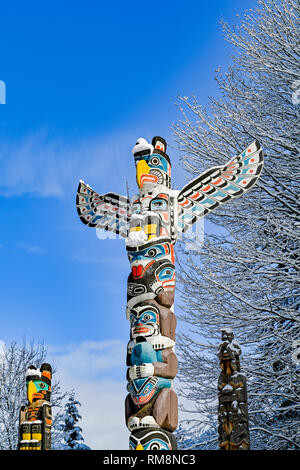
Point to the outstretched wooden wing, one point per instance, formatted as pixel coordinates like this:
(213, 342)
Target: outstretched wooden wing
(107, 211)
(219, 185)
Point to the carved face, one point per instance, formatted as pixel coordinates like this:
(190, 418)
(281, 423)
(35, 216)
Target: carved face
(38, 383)
(144, 321)
(152, 272)
(153, 168)
(141, 261)
(152, 439)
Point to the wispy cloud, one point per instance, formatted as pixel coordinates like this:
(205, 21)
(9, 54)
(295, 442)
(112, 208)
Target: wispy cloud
(30, 249)
(89, 368)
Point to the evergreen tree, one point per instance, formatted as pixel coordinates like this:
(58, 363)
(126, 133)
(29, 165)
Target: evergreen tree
(71, 432)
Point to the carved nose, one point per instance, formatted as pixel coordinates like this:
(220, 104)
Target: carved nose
(137, 271)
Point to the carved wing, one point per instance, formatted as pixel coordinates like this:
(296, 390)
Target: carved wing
(107, 211)
(219, 185)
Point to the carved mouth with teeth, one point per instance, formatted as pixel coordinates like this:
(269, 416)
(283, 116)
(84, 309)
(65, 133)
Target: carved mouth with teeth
(158, 174)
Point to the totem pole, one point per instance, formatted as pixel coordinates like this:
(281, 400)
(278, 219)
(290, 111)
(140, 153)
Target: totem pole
(232, 393)
(151, 223)
(35, 418)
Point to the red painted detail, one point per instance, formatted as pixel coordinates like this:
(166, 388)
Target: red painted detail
(148, 177)
(217, 181)
(184, 203)
(140, 329)
(139, 271)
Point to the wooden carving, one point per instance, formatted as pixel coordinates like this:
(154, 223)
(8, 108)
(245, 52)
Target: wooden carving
(151, 223)
(35, 417)
(232, 394)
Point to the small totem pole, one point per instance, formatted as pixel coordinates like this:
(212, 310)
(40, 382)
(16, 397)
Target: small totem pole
(151, 224)
(232, 391)
(35, 418)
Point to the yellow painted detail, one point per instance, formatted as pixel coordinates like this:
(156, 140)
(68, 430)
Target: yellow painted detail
(150, 228)
(139, 447)
(31, 389)
(37, 436)
(142, 168)
(26, 437)
(135, 229)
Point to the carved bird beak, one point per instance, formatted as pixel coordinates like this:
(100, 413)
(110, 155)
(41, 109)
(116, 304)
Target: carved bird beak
(142, 168)
(31, 390)
(143, 173)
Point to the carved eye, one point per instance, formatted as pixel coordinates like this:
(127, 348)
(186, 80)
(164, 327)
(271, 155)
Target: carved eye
(152, 253)
(154, 446)
(146, 317)
(155, 161)
(42, 385)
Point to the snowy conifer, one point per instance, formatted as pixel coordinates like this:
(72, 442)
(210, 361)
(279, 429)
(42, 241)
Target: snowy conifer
(71, 432)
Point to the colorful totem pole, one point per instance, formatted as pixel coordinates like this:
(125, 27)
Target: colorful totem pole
(35, 418)
(151, 223)
(232, 393)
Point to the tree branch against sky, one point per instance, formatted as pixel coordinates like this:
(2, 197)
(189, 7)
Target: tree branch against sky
(246, 275)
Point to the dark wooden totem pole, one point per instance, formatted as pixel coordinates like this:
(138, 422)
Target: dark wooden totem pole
(151, 223)
(232, 392)
(35, 417)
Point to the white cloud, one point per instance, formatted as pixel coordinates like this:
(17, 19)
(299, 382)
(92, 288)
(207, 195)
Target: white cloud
(89, 368)
(45, 166)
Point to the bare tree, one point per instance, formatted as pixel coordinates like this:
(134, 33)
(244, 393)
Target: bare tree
(246, 275)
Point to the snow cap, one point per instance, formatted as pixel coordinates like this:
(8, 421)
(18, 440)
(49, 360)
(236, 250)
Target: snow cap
(142, 146)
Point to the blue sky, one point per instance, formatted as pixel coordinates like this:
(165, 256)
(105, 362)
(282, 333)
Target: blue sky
(83, 81)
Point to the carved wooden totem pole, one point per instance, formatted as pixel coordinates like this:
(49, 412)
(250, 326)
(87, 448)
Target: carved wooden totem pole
(151, 223)
(35, 418)
(232, 391)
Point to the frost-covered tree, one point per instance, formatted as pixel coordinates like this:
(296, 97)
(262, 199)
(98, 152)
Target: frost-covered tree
(71, 432)
(14, 361)
(246, 274)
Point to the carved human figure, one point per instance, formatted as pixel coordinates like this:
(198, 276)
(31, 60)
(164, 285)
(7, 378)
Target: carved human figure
(232, 394)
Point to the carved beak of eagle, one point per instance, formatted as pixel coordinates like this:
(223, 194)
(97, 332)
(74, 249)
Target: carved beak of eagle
(143, 173)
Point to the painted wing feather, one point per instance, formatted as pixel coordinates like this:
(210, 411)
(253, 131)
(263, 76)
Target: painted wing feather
(107, 211)
(219, 185)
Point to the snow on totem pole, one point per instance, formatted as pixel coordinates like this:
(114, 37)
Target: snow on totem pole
(232, 390)
(150, 224)
(35, 418)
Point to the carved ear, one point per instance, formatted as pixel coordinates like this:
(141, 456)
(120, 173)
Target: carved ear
(159, 143)
(46, 372)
